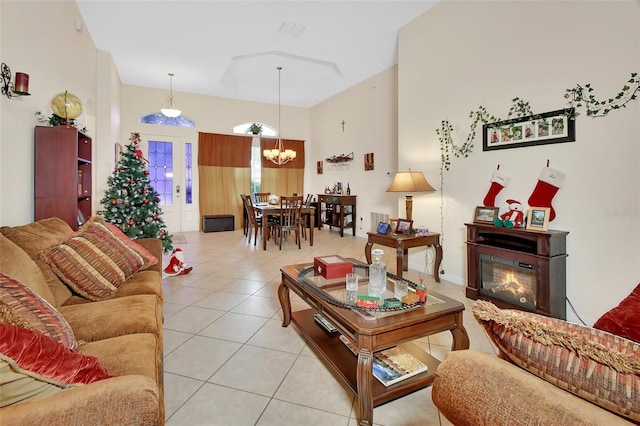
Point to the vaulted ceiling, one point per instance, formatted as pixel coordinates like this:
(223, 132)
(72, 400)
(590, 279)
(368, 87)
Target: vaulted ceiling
(233, 48)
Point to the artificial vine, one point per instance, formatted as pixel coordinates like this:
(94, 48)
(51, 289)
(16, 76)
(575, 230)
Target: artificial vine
(579, 97)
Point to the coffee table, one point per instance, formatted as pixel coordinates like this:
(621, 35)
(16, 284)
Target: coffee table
(370, 331)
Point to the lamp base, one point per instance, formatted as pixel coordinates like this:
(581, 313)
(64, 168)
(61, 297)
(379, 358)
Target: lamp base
(409, 206)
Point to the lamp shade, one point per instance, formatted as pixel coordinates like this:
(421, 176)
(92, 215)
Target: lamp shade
(410, 181)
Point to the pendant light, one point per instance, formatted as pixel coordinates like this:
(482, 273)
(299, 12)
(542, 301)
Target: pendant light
(171, 111)
(279, 155)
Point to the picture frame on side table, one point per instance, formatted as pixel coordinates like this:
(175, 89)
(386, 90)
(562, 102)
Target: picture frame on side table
(384, 228)
(393, 225)
(484, 214)
(404, 227)
(538, 218)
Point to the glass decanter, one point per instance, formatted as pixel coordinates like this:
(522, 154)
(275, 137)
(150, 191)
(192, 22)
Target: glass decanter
(377, 275)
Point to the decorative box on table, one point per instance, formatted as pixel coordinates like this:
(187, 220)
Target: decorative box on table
(332, 266)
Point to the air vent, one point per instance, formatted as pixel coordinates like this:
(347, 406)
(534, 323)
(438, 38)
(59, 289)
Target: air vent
(290, 29)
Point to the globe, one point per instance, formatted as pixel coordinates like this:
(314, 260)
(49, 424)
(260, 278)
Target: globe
(66, 105)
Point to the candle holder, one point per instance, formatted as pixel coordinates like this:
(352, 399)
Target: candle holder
(9, 89)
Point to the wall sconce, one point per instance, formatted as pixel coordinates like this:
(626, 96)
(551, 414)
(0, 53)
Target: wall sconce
(21, 86)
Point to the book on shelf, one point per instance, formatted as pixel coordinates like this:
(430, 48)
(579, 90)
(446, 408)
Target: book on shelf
(395, 364)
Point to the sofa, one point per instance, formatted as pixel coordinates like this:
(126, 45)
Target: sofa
(547, 372)
(99, 327)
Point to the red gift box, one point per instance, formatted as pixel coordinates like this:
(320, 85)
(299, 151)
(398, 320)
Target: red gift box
(332, 266)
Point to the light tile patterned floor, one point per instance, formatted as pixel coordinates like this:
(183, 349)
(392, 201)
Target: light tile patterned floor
(228, 361)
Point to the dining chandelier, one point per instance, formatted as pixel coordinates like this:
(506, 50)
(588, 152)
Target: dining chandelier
(170, 110)
(279, 155)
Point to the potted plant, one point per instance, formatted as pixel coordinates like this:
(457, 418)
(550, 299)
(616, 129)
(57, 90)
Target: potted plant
(255, 129)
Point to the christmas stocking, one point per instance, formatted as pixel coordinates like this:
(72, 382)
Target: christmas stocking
(549, 181)
(498, 181)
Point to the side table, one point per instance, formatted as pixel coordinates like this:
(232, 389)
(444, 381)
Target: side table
(402, 244)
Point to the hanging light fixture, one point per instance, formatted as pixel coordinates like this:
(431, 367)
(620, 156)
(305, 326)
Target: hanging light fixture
(279, 155)
(171, 111)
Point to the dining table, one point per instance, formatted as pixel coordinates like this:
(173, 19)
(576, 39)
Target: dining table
(267, 210)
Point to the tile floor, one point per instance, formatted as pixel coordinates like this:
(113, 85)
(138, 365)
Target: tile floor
(227, 359)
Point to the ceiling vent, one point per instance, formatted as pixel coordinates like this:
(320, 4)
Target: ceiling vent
(290, 29)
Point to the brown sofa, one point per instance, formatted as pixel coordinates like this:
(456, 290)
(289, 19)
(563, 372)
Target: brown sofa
(548, 372)
(123, 332)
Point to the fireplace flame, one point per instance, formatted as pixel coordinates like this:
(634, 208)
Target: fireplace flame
(512, 287)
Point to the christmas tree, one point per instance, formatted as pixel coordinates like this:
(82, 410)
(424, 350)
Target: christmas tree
(131, 203)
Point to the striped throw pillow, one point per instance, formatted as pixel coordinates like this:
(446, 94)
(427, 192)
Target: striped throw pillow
(94, 261)
(597, 366)
(21, 306)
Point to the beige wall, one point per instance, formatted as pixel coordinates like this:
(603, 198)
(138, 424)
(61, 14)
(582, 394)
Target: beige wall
(369, 110)
(460, 55)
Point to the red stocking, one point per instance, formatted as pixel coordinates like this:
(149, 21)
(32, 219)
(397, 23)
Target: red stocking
(549, 181)
(498, 181)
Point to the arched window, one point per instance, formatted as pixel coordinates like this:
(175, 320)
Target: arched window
(163, 120)
(244, 129)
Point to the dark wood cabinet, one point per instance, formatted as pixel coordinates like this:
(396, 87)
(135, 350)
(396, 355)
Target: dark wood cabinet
(63, 174)
(338, 211)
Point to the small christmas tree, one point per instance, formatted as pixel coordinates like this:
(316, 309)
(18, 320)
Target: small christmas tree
(131, 203)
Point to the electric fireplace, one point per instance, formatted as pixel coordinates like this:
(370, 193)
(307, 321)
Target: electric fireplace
(516, 268)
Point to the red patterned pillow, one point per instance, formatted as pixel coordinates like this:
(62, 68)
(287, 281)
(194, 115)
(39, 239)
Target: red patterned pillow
(624, 319)
(597, 366)
(34, 365)
(94, 261)
(21, 306)
(149, 258)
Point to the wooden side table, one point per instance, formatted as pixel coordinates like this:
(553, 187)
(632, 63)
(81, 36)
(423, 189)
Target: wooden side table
(402, 244)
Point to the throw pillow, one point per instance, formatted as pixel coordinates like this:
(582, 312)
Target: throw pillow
(596, 366)
(624, 319)
(33, 365)
(93, 261)
(149, 259)
(21, 306)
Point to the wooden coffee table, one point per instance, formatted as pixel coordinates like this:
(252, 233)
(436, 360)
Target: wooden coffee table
(370, 333)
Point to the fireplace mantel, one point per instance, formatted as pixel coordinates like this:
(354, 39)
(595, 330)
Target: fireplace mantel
(544, 251)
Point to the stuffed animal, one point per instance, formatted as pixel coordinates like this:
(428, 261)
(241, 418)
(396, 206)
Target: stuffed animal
(176, 265)
(514, 218)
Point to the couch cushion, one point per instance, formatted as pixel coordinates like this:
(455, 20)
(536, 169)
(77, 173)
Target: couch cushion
(115, 317)
(93, 261)
(624, 319)
(21, 306)
(597, 366)
(37, 236)
(16, 263)
(34, 365)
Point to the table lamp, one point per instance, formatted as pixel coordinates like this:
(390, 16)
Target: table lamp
(409, 182)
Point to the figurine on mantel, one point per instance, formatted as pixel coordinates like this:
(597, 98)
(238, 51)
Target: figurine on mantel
(514, 218)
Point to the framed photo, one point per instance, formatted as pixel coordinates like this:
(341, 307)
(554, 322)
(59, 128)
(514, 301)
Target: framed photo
(368, 161)
(485, 214)
(393, 225)
(404, 226)
(319, 167)
(383, 228)
(540, 129)
(538, 218)
(117, 151)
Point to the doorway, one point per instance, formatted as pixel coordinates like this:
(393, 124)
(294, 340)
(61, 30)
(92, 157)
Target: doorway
(171, 173)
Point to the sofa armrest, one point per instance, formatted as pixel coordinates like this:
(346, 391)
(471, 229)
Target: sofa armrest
(476, 388)
(154, 245)
(130, 400)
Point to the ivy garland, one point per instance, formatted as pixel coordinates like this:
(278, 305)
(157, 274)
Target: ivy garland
(579, 97)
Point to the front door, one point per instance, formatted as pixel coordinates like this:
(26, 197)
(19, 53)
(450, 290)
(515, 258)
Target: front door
(171, 175)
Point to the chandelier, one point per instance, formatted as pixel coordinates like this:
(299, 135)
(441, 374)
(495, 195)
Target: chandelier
(170, 110)
(279, 155)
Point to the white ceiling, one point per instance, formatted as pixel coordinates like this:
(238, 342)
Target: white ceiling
(233, 48)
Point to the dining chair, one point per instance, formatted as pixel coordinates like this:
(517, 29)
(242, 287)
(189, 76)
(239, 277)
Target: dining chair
(306, 218)
(262, 197)
(256, 221)
(245, 216)
(290, 220)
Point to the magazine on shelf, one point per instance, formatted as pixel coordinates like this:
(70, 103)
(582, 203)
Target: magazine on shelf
(395, 364)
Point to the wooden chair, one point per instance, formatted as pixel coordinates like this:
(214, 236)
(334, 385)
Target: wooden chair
(306, 221)
(245, 216)
(290, 220)
(255, 220)
(262, 197)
